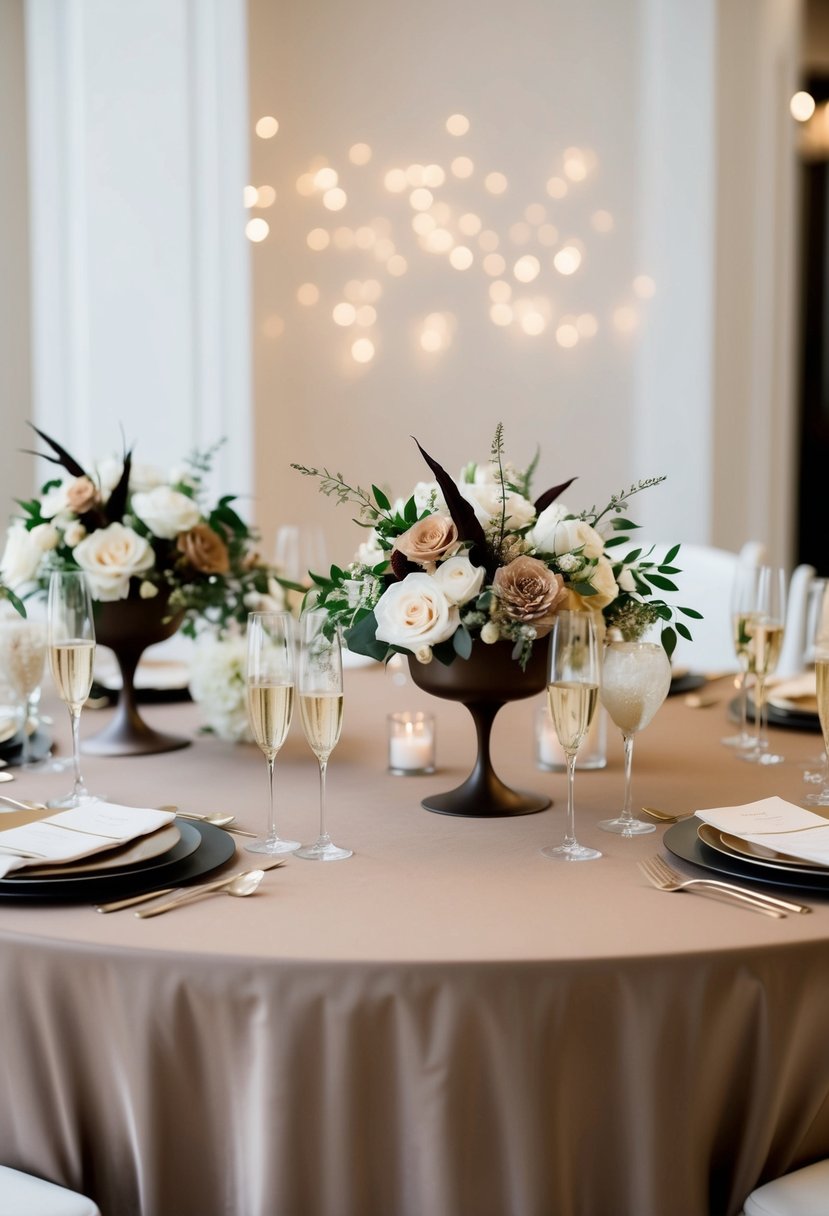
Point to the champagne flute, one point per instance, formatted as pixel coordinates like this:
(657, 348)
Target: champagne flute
(743, 599)
(321, 711)
(23, 654)
(819, 653)
(270, 699)
(636, 677)
(764, 629)
(573, 691)
(71, 639)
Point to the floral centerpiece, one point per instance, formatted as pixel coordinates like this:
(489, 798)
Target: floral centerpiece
(477, 558)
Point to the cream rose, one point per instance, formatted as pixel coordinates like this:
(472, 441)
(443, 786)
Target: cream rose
(81, 495)
(529, 592)
(145, 477)
(415, 613)
(485, 501)
(559, 536)
(110, 557)
(427, 541)
(21, 557)
(55, 501)
(166, 512)
(74, 534)
(602, 580)
(459, 579)
(46, 536)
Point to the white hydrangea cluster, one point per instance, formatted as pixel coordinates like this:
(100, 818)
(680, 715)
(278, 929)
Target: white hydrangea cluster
(218, 685)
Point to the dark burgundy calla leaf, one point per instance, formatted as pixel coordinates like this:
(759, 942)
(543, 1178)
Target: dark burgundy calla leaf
(463, 517)
(549, 496)
(117, 503)
(401, 565)
(61, 456)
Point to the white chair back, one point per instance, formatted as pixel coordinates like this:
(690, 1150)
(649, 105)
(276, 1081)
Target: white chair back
(797, 637)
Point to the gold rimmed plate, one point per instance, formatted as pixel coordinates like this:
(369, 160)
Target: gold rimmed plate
(682, 840)
(754, 854)
(137, 852)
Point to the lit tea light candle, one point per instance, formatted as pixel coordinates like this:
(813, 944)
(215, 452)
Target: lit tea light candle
(549, 754)
(411, 744)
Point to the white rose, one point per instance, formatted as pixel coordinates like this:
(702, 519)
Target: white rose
(166, 512)
(459, 579)
(108, 474)
(110, 557)
(541, 534)
(415, 613)
(144, 477)
(181, 475)
(428, 496)
(21, 557)
(566, 536)
(602, 580)
(74, 533)
(485, 501)
(370, 553)
(46, 537)
(56, 500)
(625, 580)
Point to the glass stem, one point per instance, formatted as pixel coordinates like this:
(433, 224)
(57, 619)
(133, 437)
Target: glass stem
(627, 811)
(24, 751)
(743, 695)
(570, 831)
(75, 718)
(323, 772)
(759, 707)
(271, 816)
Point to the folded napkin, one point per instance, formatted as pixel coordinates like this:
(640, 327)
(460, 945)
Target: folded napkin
(799, 692)
(69, 835)
(777, 825)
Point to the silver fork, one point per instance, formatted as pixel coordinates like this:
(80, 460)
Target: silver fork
(660, 875)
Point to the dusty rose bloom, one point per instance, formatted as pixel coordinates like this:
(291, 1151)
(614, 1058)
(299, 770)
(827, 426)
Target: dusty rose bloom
(204, 550)
(427, 541)
(81, 495)
(530, 593)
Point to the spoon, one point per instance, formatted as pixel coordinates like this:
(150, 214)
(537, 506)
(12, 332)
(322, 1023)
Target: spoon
(242, 885)
(23, 806)
(695, 701)
(663, 816)
(216, 819)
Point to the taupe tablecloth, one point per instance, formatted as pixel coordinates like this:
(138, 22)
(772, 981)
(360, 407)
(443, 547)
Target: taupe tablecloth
(445, 1025)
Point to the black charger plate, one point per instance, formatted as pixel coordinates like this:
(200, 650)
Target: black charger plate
(11, 751)
(791, 719)
(682, 840)
(214, 849)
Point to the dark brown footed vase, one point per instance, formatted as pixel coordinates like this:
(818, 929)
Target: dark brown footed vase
(485, 682)
(128, 627)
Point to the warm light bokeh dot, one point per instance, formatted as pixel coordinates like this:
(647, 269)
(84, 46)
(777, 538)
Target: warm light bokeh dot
(501, 314)
(527, 268)
(434, 176)
(265, 196)
(461, 257)
(423, 224)
(556, 187)
(470, 224)
(308, 294)
(457, 124)
(587, 325)
(575, 166)
(353, 290)
(802, 106)
(273, 326)
(495, 183)
(500, 292)
(362, 351)
(257, 229)
(625, 319)
(371, 291)
(415, 175)
(366, 315)
(644, 287)
(533, 323)
(567, 335)
(335, 200)
(397, 265)
(567, 260)
(439, 241)
(395, 181)
(494, 265)
(326, 179)
(384, 249)
(421, 199)
(344, 314)
(462, 167)
(489, 240)
(343, 238)
(305, 184)
(359, 154)
(519, 233)
(249, 196)
(547, 235)
(535, 214)
(602, 221)
(266, 127)
(318, 239)
(364, 237)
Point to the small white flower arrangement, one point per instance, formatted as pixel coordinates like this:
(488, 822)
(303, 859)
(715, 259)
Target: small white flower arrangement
(218, 684)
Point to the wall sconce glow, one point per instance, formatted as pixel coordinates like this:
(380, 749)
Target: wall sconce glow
(461, 257)
(575, 166)
(535, 214)
(366, 316)
(519, 233)
(395, 181)
(362, 351)
(457, 124)
(802, 106)
(602, 221)
(249, 196)
(308, 295)
(344, 238)
(257, 229)
(533, 323)
(437, 332)
(371, 291)
(421, 199)
(305, 184)
(644, 287)
(495, 183)
(266, 127)
(439, 241)
(567, 260)
(489, 240)
(423, 224)
(462, 167)
(547, 235)
(567, 335)
(527, 268)
(397, 265)
(326, 179)
(625, 319)
(265, 196)
(318, 239)
(500, 292)
(344, 314)
(273, 326)
(470, 224)
(587, 325)
(501, 314)
(431, 340)
(556, 187)
(434, 176)
(494, 265)
(335, 200)
(359, 154)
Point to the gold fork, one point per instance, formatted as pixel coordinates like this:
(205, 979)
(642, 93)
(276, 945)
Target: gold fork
(660, 875)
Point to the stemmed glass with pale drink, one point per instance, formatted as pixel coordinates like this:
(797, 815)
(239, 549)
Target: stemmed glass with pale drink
(270, 703)
(573, 692)
(636, 677)
(743, 607)
(22, 658)
(71, 641)
(764, 631)
(321, 711)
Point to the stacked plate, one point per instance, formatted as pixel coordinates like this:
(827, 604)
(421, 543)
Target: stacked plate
(175, 854)
(722, 853)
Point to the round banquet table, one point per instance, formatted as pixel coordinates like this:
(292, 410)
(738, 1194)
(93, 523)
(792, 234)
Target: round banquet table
(447, 1024)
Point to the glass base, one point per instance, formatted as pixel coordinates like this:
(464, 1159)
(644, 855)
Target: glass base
(741, 742)
(323, 850)
(570, 852)
(821, 799)
(761, 757)
(626, 827)
(272, 846)
(50, 764)
(70, 801)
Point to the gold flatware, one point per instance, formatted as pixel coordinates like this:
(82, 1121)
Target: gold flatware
(6, 776)
(130, 901)
(23, 806)
(695, 700)
(663, 816)
(659, 874)
(240, 885)
(217, 819)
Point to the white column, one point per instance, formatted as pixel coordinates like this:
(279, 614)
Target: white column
(138, 154)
